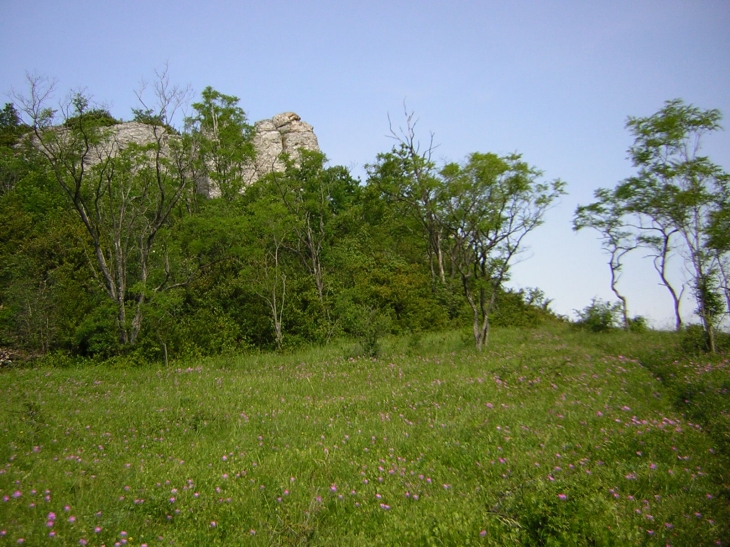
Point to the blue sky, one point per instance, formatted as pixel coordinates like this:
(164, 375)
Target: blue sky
(552, 80)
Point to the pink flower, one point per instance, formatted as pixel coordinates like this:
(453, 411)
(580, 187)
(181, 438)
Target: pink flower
(17, 494)
(213, 524)
(483, 533)
(562, 496)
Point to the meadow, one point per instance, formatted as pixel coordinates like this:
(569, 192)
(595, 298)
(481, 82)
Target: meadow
(548, 437)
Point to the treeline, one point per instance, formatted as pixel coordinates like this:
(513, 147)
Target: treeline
(107, 248)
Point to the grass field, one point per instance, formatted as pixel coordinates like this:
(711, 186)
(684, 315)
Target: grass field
(549, 437)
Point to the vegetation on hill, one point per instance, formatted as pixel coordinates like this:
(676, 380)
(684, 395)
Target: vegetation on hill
(110, 252)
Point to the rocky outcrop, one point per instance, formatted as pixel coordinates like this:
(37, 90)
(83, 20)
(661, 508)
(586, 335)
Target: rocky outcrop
(284, 133)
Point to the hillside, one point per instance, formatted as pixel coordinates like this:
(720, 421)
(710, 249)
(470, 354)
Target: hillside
(550, 437)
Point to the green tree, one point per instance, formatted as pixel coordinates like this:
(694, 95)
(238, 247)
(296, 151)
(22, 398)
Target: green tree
(314, 195)
(606, 216)
(490, 204)
(224, 143)
(124, 195)
(682, 190)
(409, 178)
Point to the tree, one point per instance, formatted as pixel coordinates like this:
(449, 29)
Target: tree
(606, 216)
(682, 192)
(124, 195)
(225, 147)
(408, 176)
(489, 204)
(313, 195)
(655, 231)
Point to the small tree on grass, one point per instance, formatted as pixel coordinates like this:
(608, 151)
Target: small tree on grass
(490, 203)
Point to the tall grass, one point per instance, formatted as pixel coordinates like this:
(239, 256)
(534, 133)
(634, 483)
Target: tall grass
(550, 437)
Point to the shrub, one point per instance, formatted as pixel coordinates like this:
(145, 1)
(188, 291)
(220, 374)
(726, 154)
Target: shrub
(599, 316)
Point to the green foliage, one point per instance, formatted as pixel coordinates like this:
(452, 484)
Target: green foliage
(89, 117)
(599, 316)
(11, 126)
(473, 217)
(224, 141)
(525, 308)
(122, 261)
(369, 326)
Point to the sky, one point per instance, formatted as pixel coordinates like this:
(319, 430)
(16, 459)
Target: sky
(552, 80)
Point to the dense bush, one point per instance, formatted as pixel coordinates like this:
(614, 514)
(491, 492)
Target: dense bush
(599, 316)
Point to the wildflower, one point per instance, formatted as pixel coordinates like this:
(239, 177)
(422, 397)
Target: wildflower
(82, 541)
(72, 519)
(562, 496)
(213, 524)
(51, 516)
(17, 494)
(483, 533)
(97, 529)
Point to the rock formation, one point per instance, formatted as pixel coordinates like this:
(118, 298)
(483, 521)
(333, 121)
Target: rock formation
(284, 133)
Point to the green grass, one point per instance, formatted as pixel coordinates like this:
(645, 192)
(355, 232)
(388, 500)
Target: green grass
(549, 437)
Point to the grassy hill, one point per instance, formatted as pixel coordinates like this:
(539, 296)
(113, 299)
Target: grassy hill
(549, 437)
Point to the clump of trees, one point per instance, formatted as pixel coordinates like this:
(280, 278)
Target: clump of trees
(675, 206)
(107, 248)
